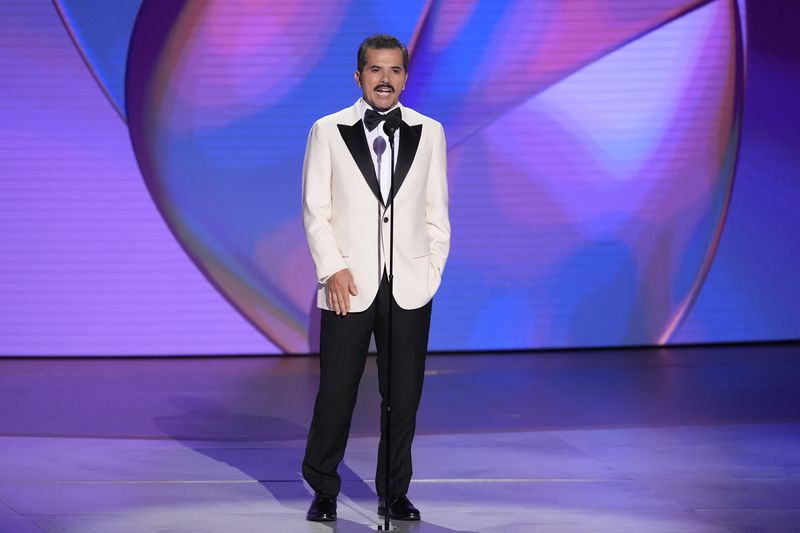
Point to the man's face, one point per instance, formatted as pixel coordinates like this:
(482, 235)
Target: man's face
(383, 77)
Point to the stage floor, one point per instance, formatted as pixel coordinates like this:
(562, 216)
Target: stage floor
(657, 440)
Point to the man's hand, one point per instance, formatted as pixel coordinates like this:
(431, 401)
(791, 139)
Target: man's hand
(340, 286)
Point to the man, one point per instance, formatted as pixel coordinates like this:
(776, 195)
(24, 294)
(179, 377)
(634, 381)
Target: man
(346, 210)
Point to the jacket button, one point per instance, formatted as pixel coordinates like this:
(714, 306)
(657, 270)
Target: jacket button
(386, 219)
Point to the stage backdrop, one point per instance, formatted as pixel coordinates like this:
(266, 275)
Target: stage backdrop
(622, 172)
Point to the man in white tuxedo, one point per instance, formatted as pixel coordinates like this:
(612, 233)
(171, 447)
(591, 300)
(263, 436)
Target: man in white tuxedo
(347, 199)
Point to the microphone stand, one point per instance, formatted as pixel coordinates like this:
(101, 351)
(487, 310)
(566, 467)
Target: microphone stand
(390, 130)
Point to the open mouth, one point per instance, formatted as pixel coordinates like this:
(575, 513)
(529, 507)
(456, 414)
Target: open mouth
(384, 90)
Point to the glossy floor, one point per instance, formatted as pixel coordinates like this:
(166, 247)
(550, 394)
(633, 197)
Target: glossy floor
(669, 440)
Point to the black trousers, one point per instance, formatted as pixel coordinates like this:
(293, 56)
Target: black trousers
(344, 342)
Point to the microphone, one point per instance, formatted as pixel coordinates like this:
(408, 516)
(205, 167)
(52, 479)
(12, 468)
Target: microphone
(390, 126)
(379, 146)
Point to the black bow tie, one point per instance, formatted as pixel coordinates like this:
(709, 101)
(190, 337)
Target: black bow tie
(393, 118)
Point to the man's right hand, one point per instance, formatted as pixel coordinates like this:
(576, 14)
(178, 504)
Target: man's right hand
(340, 286)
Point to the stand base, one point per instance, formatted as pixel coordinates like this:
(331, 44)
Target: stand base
(381, 527)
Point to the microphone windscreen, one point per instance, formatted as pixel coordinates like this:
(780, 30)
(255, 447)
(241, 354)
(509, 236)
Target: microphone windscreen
(379, 145)
(391, 125)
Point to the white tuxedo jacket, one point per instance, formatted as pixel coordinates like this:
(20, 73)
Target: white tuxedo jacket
(345, 217)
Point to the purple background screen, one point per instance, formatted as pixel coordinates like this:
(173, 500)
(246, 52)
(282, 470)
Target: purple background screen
(622, 172)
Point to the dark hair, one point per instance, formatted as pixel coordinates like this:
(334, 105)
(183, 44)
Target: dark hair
(380, 40)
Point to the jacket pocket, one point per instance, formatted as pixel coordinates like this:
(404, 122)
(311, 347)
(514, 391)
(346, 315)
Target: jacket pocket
(434, 278)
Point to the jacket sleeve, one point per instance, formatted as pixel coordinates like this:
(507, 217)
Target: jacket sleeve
(437, 218)
(317, 212)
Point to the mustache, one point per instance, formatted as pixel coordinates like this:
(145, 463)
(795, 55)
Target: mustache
(384, 86)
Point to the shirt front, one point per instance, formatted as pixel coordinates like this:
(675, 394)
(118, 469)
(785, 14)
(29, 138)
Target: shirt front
(384, 170)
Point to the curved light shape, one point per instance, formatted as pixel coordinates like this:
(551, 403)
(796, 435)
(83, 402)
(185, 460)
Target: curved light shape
(588, 214)
(101, 31)
(591, 154)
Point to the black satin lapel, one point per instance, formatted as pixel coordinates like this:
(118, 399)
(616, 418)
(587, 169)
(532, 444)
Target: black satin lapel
(409, 142)
(356, 141)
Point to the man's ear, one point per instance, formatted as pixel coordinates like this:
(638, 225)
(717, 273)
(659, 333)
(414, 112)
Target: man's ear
(357, 77)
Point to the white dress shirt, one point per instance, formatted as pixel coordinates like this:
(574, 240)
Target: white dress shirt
(385, 171)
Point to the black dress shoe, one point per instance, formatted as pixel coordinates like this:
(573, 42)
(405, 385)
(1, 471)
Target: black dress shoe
(399, 508)
(323, 509)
